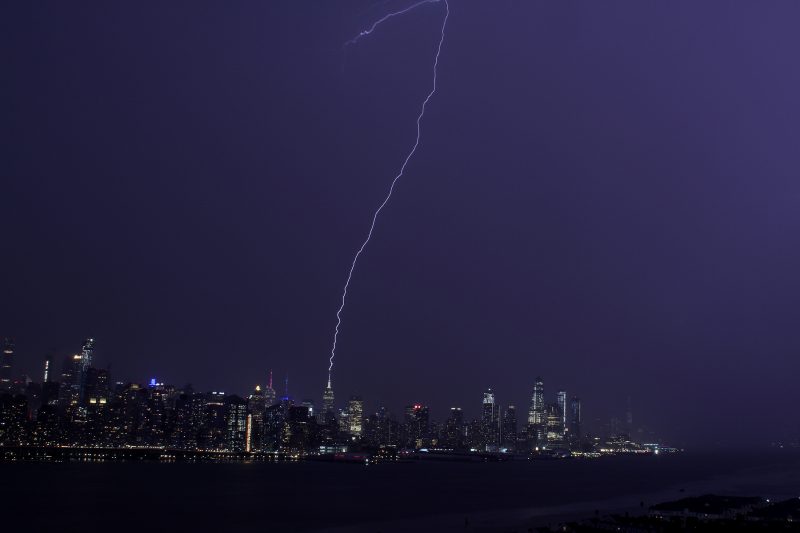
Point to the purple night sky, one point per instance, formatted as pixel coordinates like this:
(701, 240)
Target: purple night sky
(606, 194)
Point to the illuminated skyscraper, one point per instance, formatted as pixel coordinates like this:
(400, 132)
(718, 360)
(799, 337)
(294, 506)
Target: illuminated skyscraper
(561, 401)
(256, 407)
(555, 427)
(274, 424)
(214, 427)
(6, 360)
(342, 419)
(384, 428)
(327, 399)
(489, 420)
(248, 434)
(355, 413)
(83, 362)
(235, 423)
(537, 434)
(87, 350)
(536, 411)
(73, 379)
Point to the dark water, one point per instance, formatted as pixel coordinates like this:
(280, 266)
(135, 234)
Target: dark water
(307, 496)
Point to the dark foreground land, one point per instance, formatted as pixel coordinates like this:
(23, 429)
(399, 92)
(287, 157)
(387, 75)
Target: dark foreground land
(706, 513)
(314, 496)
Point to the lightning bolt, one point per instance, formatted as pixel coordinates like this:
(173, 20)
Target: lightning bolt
(383, 19)
(388, 197)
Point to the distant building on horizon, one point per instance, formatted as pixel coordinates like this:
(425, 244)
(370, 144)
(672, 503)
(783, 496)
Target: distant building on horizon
(575, 419)
(555, 427)
(561, 401)
(270, 397)
(508, 431)
(235, 423)
(536, 411)
(454, 429)
(536, 416)
(417, 425)
(76, 374)
(489, 418)
(256, 409)
(355, 417)
(6, 364)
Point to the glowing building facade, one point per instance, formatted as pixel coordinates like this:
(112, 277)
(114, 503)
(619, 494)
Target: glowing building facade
(536, 411)
(537, 434)
(355, 415)
(256, 407)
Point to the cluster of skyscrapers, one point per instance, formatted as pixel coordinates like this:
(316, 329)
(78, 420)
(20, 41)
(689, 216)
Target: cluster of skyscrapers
(85, 408)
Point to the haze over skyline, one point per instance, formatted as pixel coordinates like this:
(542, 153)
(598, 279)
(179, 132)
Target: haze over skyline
(605, 196)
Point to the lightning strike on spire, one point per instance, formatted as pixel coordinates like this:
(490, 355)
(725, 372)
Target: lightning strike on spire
(354, 40)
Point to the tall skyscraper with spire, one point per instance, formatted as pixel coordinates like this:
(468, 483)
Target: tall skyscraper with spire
(536, 411)
(77, 372)
(87, 350)
(270, 398)
(328, 399)
(82, 366)
(489, 421)
(536, 415)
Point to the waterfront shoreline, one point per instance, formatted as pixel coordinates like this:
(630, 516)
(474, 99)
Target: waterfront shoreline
(391, 497)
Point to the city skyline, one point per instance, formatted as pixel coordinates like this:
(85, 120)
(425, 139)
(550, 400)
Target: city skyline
(12, 382)
(85, 407)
